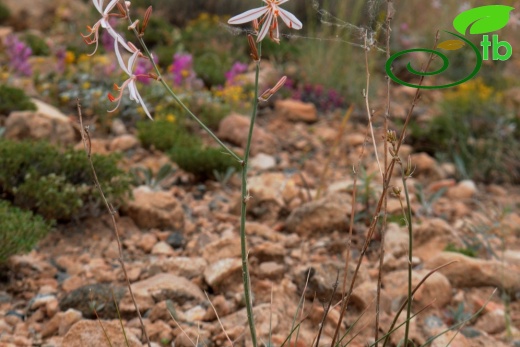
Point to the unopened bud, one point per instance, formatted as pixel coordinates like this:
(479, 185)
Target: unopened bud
(146, 19)
(256, 25)
(252, 46)
(396, 191)
(121, 9)
(270, 92)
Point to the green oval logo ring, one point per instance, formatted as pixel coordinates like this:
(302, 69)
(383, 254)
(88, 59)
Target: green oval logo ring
(445, 65)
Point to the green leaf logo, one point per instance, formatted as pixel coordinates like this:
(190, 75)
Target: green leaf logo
(482, 20)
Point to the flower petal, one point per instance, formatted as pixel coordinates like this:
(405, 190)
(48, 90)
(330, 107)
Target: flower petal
(132, 90)
(120, 58)
(131, 61)
(248, 16)
(265, 27)
(110, 6)
(99, 5)
(142, 103)
(290, 20)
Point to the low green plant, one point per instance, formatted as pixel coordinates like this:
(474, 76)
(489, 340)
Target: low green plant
(211, 112)
(21, 230)
(58, 184)
(37, 44)
(203, 162)
(145, 176)
(14, 99)
(476, 132)
(467, 251)
(427, 200)
(5, 13)
(223, 177)
(164, 135)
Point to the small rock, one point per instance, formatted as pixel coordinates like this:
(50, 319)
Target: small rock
(235, 128)
(68, 319)
(97, 146)
(159, 331)
(46, 123)
(176, 240)
(89, 333)
(396, 240)
(41, 300)
(355, 139)
(221, 305)
(271, 270)
(270, 191)
(222, 249)
(69, 264)
(195, 314)
(324, 215)
(183, 266)
(263, 161)
(493, 322)
(147, 242)
(463, 190)
(162, 248)
(296, 111)
(159, 288)
(436, 290)
(101, 294)
(433, 326)
(151, 209)
(471, 272)
(118, 127)
(223, 271)
(71, 283)
(322, 277)
(432, 236)
(268, 251)
(124, 143)
(425, 165)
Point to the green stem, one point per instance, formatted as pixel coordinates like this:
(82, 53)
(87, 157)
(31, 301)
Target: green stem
(410, 245)
(245, 197)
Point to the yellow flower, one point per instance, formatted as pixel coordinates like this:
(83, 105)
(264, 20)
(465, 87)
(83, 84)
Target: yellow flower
(70, 57)
(170, 118)
(85, 85)
(83, 58)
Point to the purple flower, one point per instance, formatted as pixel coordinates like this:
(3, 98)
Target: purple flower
(182, 68)
(142, 68)
(237, 69)
(19, 54)
(60, 55)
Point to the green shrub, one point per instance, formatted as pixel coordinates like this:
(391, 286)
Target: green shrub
(58, 184)
(475, 132)
(37, 44)
(185, 149)
(211, 112)
(5, 13)
(203, 162)
(20, 230)
(469, 252)
(14, 99)
(164, 135)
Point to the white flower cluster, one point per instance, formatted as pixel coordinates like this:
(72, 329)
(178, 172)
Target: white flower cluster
(128, 68)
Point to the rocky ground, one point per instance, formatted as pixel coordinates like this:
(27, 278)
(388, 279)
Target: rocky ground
(181, 248)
